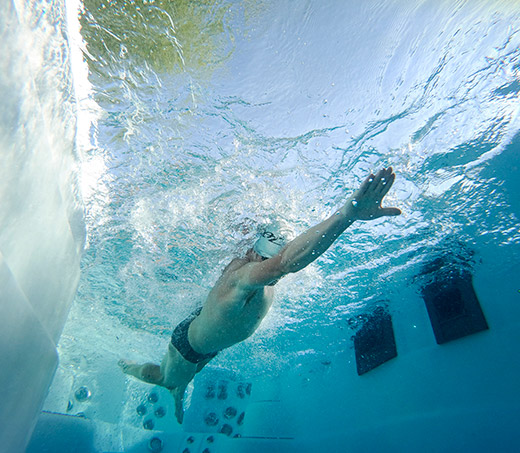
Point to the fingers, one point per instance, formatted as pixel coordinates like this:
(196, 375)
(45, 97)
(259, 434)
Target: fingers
(366, 185)
(390, 211)
(386, 184)
(380, 184)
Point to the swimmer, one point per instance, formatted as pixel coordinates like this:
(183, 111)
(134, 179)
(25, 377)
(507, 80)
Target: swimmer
(243, 294)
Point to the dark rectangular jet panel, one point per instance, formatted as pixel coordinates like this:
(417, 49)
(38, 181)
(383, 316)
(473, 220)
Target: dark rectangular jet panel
(374, 343)
(453, 307)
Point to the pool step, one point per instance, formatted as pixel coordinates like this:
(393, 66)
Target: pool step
(62, 433)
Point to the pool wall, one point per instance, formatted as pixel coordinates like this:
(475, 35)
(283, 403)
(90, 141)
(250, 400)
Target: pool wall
(459, 396)
(41, 226)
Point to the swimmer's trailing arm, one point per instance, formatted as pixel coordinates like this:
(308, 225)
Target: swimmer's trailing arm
(364, 204)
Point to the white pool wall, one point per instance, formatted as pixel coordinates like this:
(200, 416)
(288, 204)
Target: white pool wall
(41, 227)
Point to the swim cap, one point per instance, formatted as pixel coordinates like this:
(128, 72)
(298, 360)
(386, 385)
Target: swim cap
(269, 244)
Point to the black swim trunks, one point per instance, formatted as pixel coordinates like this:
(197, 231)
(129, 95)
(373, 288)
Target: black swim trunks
(181, 343)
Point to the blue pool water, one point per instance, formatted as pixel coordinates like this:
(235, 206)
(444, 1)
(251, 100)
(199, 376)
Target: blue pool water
(200, 121)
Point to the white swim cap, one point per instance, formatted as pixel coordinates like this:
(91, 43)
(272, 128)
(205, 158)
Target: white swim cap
(269, 244)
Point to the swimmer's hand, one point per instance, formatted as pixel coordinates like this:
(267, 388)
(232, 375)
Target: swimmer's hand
(365, 203)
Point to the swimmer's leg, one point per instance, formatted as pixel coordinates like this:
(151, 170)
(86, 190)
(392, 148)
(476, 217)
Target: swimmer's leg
(178, 391)
(202, 364)
(178, 396)
(147, 372)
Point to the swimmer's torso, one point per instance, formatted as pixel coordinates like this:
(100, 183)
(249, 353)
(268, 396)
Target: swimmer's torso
(230, 314)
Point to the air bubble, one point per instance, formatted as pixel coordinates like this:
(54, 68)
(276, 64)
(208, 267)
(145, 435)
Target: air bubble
(354, 203)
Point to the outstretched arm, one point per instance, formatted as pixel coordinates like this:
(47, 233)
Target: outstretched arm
(364, 204)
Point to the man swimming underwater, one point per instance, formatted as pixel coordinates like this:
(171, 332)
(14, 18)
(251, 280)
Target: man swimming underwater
(244, 292)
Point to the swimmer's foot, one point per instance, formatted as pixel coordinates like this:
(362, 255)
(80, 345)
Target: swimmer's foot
(131, 368)
(178, 395)
(147, 372)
